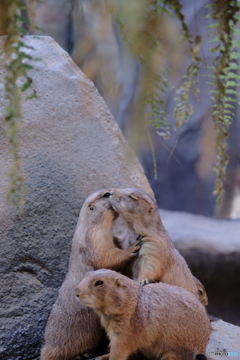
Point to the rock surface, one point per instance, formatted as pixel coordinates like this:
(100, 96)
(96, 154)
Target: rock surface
(70, 147)
(212, 250)
(224, 338)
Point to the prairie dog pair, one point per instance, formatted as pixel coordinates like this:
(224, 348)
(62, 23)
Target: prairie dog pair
(162, 321)
(158, 259)
(73, 328)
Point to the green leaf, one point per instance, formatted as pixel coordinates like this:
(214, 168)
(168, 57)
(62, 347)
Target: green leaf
(33, 96)
(27, 84)
(212, 26)
(216, 39)
(234, 55)
(230, 99)
(228, 112)
(22, 19)
(231, 91)
(227, 105)
(231, 83)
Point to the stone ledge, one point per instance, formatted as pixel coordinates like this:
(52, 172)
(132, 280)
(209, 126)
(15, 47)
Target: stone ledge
(224, 338)
(203, 233)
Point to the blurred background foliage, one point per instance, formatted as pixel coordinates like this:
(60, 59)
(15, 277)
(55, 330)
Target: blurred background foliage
(157, 64)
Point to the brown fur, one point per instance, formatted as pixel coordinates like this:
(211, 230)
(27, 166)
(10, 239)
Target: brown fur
(161, 320)
(158, 259)
(201, 291)
(72, 328)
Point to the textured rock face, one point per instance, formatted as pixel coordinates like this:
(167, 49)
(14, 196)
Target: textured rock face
(212, 250)
(224, 339)
(70, 147)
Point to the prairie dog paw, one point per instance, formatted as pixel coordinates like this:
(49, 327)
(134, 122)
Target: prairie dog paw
(135, 248)
(144, 282)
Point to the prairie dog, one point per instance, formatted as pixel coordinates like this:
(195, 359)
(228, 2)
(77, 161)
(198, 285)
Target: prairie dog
(161, 320)
(201, 291)
(72, 328)
(158, 259)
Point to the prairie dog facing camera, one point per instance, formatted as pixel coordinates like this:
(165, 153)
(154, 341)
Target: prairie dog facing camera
(158, 258)
(73, 328)
(161, 320)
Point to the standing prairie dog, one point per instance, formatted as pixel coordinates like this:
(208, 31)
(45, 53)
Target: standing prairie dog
(162, 321)
(72, 328)
(158, 259)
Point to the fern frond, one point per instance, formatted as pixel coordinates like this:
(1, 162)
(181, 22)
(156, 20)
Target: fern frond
(157, 117)
(146, 46)
(225, 15)
(176, 6)
(16, 68)
(183, 109)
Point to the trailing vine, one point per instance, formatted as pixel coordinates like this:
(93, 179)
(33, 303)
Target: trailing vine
(17, 68)
(226, 16)
(141, 29)
(183, 108)
(146, 44)
(176, 6)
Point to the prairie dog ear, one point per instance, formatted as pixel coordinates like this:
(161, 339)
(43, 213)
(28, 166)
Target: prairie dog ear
(151, 210)
(118, 282)
(133, 197)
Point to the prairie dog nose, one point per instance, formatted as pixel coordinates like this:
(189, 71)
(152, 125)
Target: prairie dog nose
(78, 292)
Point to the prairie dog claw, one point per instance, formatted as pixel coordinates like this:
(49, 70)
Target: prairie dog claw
(144, 282)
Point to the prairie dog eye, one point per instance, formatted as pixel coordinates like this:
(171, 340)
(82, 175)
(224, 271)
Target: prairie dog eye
(200, 291)
(98, 283)
(91, 207)
(107, 194)
(132, 197)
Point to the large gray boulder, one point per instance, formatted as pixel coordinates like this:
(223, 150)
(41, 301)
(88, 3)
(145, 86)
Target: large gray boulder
(70, 146)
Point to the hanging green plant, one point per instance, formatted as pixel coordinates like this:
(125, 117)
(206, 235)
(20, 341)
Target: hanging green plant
(17, 68)
(225, 15)
(184, 109)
